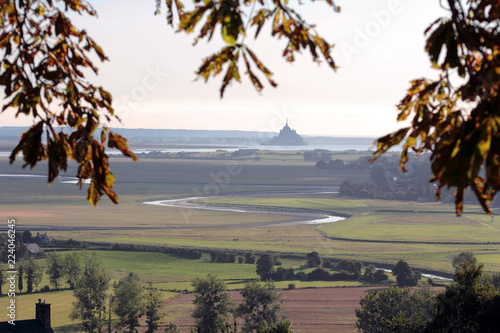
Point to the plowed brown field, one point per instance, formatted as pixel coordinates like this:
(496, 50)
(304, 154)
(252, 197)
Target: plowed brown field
(311, 310)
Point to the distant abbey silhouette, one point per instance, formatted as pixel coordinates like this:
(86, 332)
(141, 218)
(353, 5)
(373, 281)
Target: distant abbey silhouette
(287, 137)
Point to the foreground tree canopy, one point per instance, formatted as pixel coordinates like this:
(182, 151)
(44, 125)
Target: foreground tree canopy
(458, 120)
(470, 303)
(43, 59)
(44, 56)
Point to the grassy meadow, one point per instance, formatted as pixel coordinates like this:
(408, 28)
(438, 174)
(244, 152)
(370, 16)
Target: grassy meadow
(388, 220)
(169, 274)
(426, 235)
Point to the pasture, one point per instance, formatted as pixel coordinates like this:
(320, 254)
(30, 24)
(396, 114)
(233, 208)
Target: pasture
(388, 220)
(426, 235)
(172, 276)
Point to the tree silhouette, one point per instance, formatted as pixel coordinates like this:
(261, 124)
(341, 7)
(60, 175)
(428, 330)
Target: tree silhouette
(33, 273)
(90, 293)
(212, 303)
(262, 303)
(129, 302)
(265, 266)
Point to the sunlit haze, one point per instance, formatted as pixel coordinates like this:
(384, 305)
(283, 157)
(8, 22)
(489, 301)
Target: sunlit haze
(379, 47)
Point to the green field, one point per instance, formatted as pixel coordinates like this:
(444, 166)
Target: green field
(388, 220)
(169, 274)
(164, 272)
(426, 235)
(157, 267)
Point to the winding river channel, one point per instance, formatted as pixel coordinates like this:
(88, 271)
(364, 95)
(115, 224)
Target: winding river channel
(295, 216)
(300, 217)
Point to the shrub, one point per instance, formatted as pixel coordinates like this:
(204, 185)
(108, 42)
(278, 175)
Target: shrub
(249, 258)
(216, 256)
(313, 259)
(283, 274)
(405, 276)
(302, 276)
(172, 328)
(380, 276)
(319, 274)
(369, 272)
(327, 264)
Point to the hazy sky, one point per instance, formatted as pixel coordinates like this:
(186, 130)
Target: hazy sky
(379, 47)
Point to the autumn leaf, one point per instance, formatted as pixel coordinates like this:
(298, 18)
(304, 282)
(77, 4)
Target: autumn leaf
(51, 68)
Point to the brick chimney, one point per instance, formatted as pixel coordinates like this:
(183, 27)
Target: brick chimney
(43, 313)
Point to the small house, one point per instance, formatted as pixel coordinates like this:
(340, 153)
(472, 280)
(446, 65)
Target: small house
(44, 240)
(35, 250)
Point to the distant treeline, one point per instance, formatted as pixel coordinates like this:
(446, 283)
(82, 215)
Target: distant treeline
(346, 270)
(387, 180)
(219, 154)
(184, 252)
(180, 251)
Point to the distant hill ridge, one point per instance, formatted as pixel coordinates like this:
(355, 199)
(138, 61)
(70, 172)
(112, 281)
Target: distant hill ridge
(146, 132)
(11, 133)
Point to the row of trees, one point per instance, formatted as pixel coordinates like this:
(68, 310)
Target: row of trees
(321, 155)
(130, 300)
(324, 161)
(230, 257)
(180, 251)
(58, 268)
(389, 182)
(26, 237)
(20, 249)
(348, 270)
(471, 303)
(20, 242)
(260, 307)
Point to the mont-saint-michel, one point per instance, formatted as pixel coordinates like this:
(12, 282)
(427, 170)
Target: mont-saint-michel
(286, 137)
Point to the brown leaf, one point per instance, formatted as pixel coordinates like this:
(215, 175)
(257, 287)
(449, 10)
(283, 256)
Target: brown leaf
(120, 143)
(31, 146)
